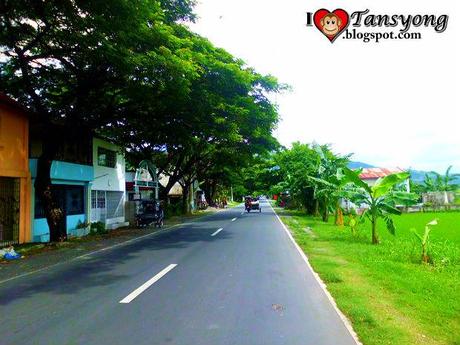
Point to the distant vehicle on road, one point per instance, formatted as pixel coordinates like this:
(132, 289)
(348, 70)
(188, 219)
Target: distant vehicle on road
(251, 204)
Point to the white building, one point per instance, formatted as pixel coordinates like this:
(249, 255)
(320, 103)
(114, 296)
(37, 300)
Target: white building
(108, 187)
(371, 175)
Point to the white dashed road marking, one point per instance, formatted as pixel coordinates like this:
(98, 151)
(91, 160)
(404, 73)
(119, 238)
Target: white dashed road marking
(147, 284)
(219, 230)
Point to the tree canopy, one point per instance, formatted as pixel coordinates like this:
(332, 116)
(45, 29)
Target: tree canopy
(132, 71)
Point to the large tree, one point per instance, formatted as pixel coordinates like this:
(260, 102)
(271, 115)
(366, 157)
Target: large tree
(134, 73)
(296, 165)
(94, 63)
(227, 113)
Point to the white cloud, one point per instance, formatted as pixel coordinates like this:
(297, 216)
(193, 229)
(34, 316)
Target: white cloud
(395, 103)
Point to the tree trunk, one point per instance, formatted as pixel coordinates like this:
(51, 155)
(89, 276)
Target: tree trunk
(185, 198)
(43, 187)
(212, 195)
(339, 216)
(425, 257)
(325, 210)
(206, 190)
(375, 238)
(325, 213)
(316, 213)
(325, 216)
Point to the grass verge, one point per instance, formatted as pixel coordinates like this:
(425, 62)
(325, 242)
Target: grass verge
(389, 297)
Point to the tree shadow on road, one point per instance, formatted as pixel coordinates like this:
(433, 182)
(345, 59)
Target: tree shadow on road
(100, 269)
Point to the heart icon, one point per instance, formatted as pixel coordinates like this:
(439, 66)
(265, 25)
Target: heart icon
(331, 24)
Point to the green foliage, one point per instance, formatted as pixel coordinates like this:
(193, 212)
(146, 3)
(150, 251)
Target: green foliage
(310, 174)
(353, 224)
(82, 225)
(91, 62)
(173, 209)
(380, 199)
(134, 73)
(295, 166)
(370, 283)
(435, 182)
(424, 239)
(98, 228)
(329, 181)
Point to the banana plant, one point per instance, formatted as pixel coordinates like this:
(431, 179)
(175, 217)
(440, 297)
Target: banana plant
(424, 239)
(332, 191)
(435, 182)
(353, 223)
(328, 181)
(380, 199)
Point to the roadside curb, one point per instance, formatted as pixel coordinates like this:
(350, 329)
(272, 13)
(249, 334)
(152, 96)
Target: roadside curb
(322, 285)
(121, 244)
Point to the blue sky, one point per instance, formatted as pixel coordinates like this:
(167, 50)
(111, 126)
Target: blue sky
(395, 103)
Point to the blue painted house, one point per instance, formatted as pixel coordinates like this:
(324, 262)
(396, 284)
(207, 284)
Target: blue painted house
(72, 173)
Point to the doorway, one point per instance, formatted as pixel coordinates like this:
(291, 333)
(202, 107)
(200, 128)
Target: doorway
(9, 211)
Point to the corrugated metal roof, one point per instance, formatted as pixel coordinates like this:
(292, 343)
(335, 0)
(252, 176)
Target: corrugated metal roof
(375, 173)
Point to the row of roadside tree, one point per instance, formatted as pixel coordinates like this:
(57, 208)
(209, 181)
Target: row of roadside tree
(313, 178)
(134, 73)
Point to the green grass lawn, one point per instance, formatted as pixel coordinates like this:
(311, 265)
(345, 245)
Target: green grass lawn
(383, 289)
(233, 203)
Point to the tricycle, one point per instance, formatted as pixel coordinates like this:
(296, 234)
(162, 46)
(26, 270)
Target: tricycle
(251, 204)
(150, 212)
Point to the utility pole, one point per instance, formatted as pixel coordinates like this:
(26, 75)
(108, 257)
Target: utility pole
(231, 193)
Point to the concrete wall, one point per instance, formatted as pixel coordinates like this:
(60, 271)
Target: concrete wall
(67, 174)
(438, 198)
(105, 178)
(14, 156)
(65, 171)
(109, 179)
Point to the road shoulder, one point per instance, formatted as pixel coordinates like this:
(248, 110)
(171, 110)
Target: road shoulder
(321, 283)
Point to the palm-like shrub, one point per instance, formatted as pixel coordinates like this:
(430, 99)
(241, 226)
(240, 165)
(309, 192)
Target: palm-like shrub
(425, 240)
(435, 182)
(380, 200)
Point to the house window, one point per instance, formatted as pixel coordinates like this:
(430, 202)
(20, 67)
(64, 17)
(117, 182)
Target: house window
(75, 200)
(71, 199)
(115, 204)
(97, 199)
(98, 206)
(106, 158)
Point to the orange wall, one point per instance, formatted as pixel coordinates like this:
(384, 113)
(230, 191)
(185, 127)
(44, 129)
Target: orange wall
(14, 159)
(14, 142)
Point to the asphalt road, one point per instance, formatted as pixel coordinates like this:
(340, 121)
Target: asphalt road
(244, 284)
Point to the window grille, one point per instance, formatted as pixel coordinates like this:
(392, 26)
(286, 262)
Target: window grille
(115, 204)
(98, 206)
